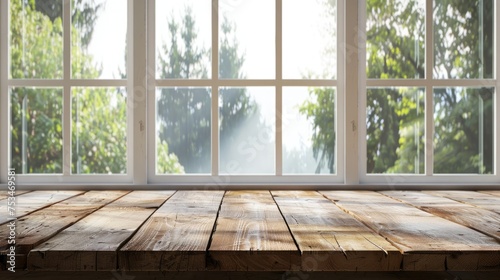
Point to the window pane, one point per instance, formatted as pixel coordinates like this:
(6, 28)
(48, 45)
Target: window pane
(318, 27)
(247, 39)
(183, 130)
(36, 39)
(183, 39)
(395, 39)
(246, 130)
(463, 39)
(309, 136)
(36, 131)
(99, 34)
(395, 126)
(463, 137)
(99, 131)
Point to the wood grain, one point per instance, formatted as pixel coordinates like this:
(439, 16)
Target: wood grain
(33, 201)
(480, 219)
(482, 200)
(429, 242)
(92, 243)
(251, 235)
(34, 229)
(332, 240)
(176, 237)
(496, 193)
(4, 194)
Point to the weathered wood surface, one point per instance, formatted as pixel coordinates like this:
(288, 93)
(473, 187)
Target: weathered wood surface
(496, 193)
(33, 229)
(252, 235)
(332, 240)
(252, 231)
(4, 194)
(92, 243)
(429, 242)
(217, 275)
(176, 236)
(33, 201)
(230, 275)
(482, 200)
(480, 219)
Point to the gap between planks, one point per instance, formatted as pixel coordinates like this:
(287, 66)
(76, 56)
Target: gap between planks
(91, 244)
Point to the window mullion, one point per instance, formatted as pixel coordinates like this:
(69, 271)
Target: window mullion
(137, 81)
(351, 41)
(141, 75)
(429, 101)
(66, 88)
(279, 89)
(215, 88)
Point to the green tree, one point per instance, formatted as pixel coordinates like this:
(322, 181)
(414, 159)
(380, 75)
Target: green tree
(463, 118)
(323, 119)
(84, 14)
(98, 114)
(184, 114)
(41, 140)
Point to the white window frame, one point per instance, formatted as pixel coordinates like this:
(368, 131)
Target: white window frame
(66, 83)
(429, 83)
(141, 83)
(215, 83)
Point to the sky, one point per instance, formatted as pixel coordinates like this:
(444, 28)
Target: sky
(108, 41)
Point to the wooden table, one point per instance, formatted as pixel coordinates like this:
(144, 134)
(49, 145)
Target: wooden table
(258, 231)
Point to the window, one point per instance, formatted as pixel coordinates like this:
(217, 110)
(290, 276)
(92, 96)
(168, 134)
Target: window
(239, 100)
(249, 92)
(67, 90)
(430, 91)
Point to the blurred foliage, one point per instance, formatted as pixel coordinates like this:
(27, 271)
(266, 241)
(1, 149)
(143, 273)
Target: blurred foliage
(463, 139)
(321, 111)
(99, 115)
(463, 136)
(184, 114)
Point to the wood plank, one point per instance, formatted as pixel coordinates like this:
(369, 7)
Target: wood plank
(92, 243)
(39, 226)
(429, 242)
(230, 275)
(495, 193)
(176, 237)
(480, 219)
(330, 239)
(483, 200)
(251, 235)
(33, 201)
(4, 194)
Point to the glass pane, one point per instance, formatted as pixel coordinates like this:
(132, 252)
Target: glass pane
(36, 130)
(247, 39)
(36, 39)
(463, 39)
(395, 126)
(395, 39)
(463, 133)
(183, 39)
(99, 34)
(318, 27)
(183, 130)
(246, 130)
(309, 136)
(99, 131)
